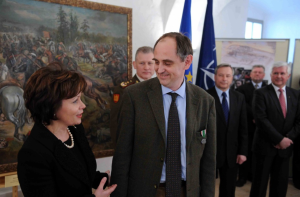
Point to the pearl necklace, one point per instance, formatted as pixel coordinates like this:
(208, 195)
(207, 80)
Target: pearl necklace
(71, 136)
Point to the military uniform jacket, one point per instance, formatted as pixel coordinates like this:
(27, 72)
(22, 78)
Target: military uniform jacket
(116, 105)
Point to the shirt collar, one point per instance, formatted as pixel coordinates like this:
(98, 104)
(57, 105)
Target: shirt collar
(277, 88)
(219, 92)
(259, 84)
(180, 91)
(140, 79)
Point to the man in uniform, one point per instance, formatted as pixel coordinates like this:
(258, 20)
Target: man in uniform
(257, 75)
(144, 65)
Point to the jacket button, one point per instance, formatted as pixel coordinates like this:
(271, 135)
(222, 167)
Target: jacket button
(155, 186)
(161, 159)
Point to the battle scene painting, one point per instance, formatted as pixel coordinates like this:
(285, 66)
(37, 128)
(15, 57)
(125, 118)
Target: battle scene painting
(92, 38)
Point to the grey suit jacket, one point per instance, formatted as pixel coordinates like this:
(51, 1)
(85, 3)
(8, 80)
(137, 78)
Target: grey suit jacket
(141, 148)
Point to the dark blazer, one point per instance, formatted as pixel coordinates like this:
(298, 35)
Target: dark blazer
(271, 126)
(232, 137)
(248, 90)
(116, 106)
(141, 148)
(46, 167)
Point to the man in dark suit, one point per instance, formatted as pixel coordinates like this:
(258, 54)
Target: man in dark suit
(144, 65)
(257, 75)
(296, 163)
(296, 160)
(163, 117)
(276, 110)
(231, 129)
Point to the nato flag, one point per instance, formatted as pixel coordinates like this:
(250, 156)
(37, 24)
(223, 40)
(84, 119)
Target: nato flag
(207, 60)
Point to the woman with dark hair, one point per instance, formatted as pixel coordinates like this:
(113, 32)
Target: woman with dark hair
(56, 159)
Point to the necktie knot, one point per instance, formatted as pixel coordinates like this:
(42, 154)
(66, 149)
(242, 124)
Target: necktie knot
(280, 90)
(256, 86)
(174, 96)
(224, 95)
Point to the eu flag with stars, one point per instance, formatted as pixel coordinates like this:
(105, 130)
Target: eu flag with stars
(186, 29)
(207, 60)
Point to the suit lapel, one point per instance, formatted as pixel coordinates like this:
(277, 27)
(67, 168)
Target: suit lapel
(289, 101)
(192, 102)
(85, 150)
(251, 87)
(156, 102)
(219, 108)
(275, 99)
(232, 108)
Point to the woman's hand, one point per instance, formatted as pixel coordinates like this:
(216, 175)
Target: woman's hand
(108, 173)
(99, 192)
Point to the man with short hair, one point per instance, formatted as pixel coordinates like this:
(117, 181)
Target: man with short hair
(144, 66)
(231, 129)
(276, 110)
(257, 75)
(167, 129)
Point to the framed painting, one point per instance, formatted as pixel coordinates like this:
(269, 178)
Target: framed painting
(92, 38)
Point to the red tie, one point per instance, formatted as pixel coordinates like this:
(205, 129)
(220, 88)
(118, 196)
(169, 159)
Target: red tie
(282, 102)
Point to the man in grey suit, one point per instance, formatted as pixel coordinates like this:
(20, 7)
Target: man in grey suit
(140, 166)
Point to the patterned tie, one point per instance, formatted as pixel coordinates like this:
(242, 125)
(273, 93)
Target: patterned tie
(173, 161)
(282, 102)
(256, 86)
(225, 106)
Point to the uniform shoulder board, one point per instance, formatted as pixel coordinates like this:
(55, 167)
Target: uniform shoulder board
(124, 84)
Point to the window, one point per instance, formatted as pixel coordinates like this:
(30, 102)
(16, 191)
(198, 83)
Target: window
(253, 29)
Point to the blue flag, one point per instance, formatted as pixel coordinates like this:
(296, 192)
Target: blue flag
(207, 60)
(186, 29)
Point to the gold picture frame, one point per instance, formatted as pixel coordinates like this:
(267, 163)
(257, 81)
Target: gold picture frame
(104, 30)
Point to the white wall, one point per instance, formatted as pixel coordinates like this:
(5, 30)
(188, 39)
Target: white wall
(283, 21)
(230, 22)
(283, 25)
(255, 12)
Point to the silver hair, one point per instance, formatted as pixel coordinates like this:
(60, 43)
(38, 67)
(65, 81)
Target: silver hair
(222, 66)
(281, 64)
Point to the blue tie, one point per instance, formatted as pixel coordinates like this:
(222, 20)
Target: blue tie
(225, 106)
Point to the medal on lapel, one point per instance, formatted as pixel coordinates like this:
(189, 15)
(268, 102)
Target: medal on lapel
(203, 134)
